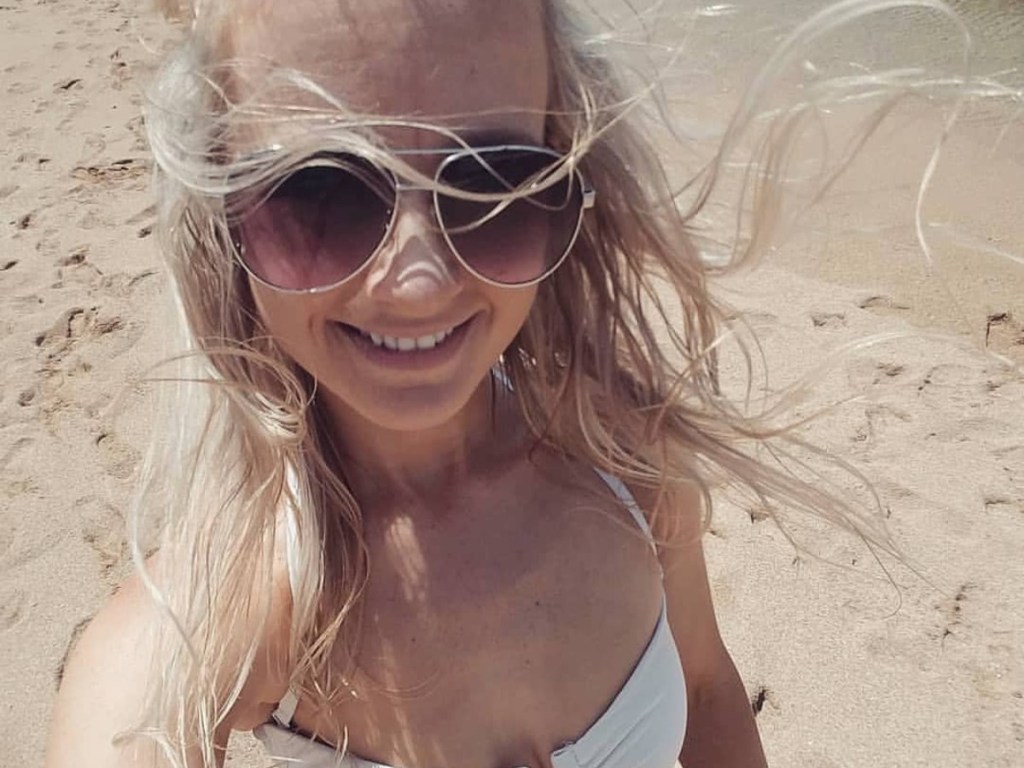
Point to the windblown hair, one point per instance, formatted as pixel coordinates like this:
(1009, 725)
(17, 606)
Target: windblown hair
(615, 367)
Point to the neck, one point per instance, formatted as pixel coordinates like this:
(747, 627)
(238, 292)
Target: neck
(420, 467)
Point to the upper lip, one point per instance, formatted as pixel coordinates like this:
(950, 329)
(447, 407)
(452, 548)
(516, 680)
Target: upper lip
(406, 333)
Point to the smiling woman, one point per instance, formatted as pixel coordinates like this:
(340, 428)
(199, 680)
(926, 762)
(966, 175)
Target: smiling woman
(434, 489)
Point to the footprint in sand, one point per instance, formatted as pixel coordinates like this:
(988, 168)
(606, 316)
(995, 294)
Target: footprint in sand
(68, 84)
(996, 503)
(12, 609)
(18, 548)
(6, 545)
(146, 216)
(19, 89)
(137, 127)
(72, 326)
(119, 71)
(120, 458)
(20, 543)
(761, 324)
(953, 609)
(759, 513)
(24, 221)
(889, 370)
(1011, 459)
(49, 242)
(828, 320)
(111, 173)
(883, 305)
(879, 418)
(866, 373)
(77, 256)
(61, 362)
(123, 285)
(20, 446)
(76, 268)
(102, 527)
(28, 396)
(96, 217)
(951, 385)
(1004, 335)
(761, 698)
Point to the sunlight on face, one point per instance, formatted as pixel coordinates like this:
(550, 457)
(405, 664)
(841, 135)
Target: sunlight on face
(477, 68)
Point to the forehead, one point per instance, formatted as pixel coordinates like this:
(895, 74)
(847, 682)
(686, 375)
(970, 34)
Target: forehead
(465, 64)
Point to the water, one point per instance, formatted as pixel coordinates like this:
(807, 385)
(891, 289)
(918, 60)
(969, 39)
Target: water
(726, 43)
(970, 215)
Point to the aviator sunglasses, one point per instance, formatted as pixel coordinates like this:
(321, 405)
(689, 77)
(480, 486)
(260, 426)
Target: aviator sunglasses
(327, 216)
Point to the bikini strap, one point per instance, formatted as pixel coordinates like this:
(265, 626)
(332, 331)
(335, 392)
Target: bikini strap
(286, 709)
(291, 549)
(286, 706)
(623, 494)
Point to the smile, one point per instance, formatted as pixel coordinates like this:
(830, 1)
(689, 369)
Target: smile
(404, 344)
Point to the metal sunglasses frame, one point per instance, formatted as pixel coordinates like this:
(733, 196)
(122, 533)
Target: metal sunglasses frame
(589, 196)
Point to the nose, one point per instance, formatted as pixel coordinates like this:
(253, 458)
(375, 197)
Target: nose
(415, 266)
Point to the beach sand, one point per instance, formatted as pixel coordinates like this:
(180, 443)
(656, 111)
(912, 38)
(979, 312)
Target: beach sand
(847, 665)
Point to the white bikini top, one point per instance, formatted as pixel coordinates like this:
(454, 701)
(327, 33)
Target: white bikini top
(643, 727)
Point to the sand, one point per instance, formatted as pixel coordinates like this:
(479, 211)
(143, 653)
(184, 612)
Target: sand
(846, 666)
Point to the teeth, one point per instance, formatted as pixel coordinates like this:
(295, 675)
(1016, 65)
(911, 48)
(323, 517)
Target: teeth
(399, 344)
(426, 342)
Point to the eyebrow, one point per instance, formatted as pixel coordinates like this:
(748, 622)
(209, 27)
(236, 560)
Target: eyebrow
(484, 137)
(474, 139)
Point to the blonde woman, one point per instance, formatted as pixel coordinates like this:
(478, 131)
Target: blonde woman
(432, 494)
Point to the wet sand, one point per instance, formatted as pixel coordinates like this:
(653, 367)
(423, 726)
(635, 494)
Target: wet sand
(844, 669)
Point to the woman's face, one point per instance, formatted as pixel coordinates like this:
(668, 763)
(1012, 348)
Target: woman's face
(478, 68)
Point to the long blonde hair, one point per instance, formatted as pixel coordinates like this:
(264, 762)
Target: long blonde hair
(615, 367)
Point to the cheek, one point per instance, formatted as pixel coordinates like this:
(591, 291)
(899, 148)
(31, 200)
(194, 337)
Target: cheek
(514, 307)
(288, 319)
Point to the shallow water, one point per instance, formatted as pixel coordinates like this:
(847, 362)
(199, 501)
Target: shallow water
(727, 42)
(863, 233)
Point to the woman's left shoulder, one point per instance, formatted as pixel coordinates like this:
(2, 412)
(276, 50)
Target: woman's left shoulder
(676, 516)
(678, 523)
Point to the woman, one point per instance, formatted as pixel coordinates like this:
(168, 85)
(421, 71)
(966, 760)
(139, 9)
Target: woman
(434, 494)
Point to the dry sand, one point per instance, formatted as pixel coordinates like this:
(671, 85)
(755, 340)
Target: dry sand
(845, 669)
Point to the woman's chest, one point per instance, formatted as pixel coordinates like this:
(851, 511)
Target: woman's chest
(485, 633)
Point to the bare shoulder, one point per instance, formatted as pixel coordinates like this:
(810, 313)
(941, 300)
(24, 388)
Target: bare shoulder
(105, 682)
(269, 677)
(679, 529)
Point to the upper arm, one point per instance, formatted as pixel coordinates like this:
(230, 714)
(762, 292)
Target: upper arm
(691, 612)
(104, 687)
(105, 682)
(720, 724)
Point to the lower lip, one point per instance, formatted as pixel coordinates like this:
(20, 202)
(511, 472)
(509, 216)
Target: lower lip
(414, 359)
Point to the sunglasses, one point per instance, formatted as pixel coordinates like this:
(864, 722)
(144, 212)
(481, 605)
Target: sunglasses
(326, 218)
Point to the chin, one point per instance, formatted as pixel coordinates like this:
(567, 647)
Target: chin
(404, 409)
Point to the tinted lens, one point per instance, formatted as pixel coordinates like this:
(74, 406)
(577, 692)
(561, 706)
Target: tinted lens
(509, 241)
(319, 225)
